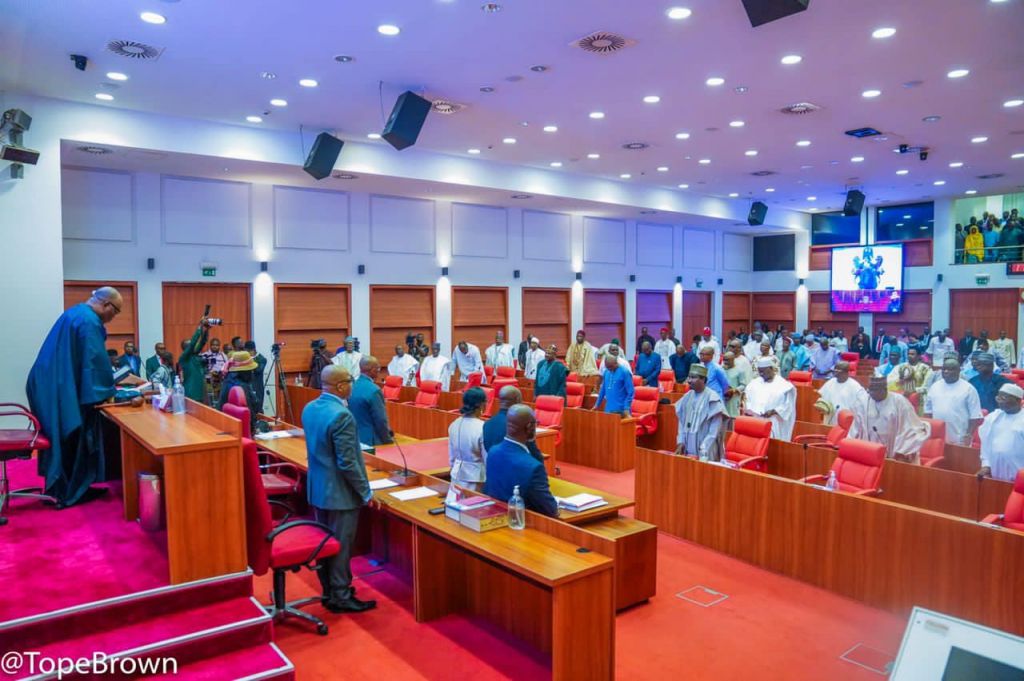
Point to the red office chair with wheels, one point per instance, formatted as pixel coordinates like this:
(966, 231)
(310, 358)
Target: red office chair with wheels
(572, 377)
(933, 451)
(288, 547)
(800, 378)
(838, 433)
(747, 446)
(574, 393)
(279, 478)
(19, 443)
(392, 389)
(500, 383)
(645, 410)
(428, 395)
(237, 396)
(548, 409)
(667, 381)
(506, 372)
(858, 467)
(1012, 517)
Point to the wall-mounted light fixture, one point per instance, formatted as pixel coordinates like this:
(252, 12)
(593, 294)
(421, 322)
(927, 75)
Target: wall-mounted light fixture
(515, 274)
(579, 276)
(444, 271)
(361, 269)
(264, 266)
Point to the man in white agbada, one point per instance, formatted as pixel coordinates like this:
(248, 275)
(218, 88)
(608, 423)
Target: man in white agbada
(709, 341)
(665, 347)
(769, 396)
(1005, 348)
(740, 360)
(752, 348)
(500, 354)
(890, 419)
(700, 413)
(436, 367)
(1002, 436)
(534, 356)
(349, 358)
(615, 351)
(404, 365)
(939, 347)
(955, 401)
(838, 393)
(467, 359)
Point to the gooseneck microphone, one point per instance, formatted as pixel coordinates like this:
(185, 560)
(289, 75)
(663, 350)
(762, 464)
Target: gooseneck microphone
(405, 472)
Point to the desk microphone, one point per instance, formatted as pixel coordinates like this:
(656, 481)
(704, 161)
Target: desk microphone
(405, 473)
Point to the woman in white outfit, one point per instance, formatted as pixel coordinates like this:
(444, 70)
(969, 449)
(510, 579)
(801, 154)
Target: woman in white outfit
(466, 453)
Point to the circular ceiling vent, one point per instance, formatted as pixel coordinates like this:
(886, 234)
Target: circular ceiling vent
(338, 175)
(522, 196)
(763, 173)
(991, 176)
(800, 108)
(446, 107)
(602, 42)
(90, 149)
(635, 146)
(133, 50)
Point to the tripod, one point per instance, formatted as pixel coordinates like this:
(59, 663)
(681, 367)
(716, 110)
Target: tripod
(277, 371)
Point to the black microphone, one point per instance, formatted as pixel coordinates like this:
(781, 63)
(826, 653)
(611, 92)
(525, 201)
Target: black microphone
(405, 473)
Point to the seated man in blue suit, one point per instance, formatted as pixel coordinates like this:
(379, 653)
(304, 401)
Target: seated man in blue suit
(510, 463)
(367, 404)
(496, 426)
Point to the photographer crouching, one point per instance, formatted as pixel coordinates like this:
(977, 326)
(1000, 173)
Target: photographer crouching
(320, 359)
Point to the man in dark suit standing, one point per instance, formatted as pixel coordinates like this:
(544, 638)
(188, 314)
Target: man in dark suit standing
(337, 486)
(966, 346)
(367, 404)
(510, 464)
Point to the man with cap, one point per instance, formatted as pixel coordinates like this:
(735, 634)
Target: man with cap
(665, 348)
(467, 359)
(403, 364)
(956, 402)
(551, 375)
(500, 354)
(700, 413)
(436, 367)
(709, 341)
(1002, 436)
(839, 392)
(580, 357)
(738, 380)
(912, 376)
(890, 419)
(986, 381)
(823, 359)
(603, 350)
(752, 348)
(644, 337)
(348, 358)
(616, 388)
(786, 356)
(241, 370)
(769, 396)
(615, 351)
(534, 356)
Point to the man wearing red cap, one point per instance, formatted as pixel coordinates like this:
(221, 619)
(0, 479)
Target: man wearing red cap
(665, 348)
(709, 341)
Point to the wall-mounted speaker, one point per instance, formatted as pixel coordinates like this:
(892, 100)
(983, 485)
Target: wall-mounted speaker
(940, 277)
(150, 263)
(764, 11)
(515, 274)
(406, 120)
(758, 211)
(361, 269)
(632, 277)
(854, 203)
(323, 155)
(721, 281)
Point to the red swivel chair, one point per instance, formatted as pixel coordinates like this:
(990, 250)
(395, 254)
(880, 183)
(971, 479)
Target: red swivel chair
(392, 388)
(473, 380)
(19, 443)
(838, 433)
(279, 478)
(240, 413)
(933, 451)
(489, 373)
(849, 357)
(858, 467)
(548, 409)
(1012, 517)
(500, 383)
(573, 377)
(747, 446)
(428, 395)
(237, 396)
(638, 381)
(667, 381)
(506, 372)
(288, 547)
(645, 410)
(800, 378)
(574, 393)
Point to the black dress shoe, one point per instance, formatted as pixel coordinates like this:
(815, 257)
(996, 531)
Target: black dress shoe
(350, 604)
(324, 600)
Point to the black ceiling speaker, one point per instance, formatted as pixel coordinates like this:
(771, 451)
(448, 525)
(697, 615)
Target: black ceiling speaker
(406, 120)
(323, 155)
(854, 203)
(764, 11)
(757, 212)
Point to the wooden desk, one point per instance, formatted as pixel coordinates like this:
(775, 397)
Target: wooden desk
(419, 422)
(598, 439)
(885, 554)
(668, 427)
(805, 399)
(199, 458)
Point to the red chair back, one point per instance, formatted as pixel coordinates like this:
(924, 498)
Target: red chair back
(938, 428)
(574, 393)
(749, 437)
(934, 448)
(549, 411)
(489, 404)
(1019, 373)
(507, 372)
(573, 377)
(1013, 515)
(849, 357)
(21, 439)
(637, 381)
(667, 381)
(240, 413)
(392, 388)
(800, 378)
(237, 396)
(258, 521)
(859, 464)
(844, 421)
(854, 365)
(428, 395)
(500, 383)
(489, 373)
(645, 401)
(473, 380)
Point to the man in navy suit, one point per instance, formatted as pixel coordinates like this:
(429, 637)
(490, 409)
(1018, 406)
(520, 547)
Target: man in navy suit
(367, 404)
(496, 426)
(336, 485)
(510, 463)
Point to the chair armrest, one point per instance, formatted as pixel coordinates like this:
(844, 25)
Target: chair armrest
(750, 459)
(288, 510)
(281, 529)
(282, 465)
(629, 419)
(993, 519)
(814, 478)
(811, 438)
(647, 419)
(934, 463)
(825, 445)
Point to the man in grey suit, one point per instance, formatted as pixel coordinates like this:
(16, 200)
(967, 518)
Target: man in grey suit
(367, 405)
(336, 484)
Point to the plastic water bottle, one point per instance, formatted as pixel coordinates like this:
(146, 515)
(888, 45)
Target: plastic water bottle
(298, 380)
(831, 484)
(516, 511)
(178, 397)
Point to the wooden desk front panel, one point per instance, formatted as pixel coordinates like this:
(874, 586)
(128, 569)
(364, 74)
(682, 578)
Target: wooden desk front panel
(300, 396)
(598, 440)
(668, 427)
(805, 399)
(418, 422)
(887, 555)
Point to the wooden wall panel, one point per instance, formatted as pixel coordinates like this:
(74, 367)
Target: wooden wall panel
(735, 312)
(547, 314)
(696, 314)
(977, 309)
(820, 258)
(478, 313)
(916, 252)
(394, 312)
(604, 315)
(916, 314)
(184, 304)
(125, 326)
(772, 309)
(653, 310)
(820, 314)
(304, 312)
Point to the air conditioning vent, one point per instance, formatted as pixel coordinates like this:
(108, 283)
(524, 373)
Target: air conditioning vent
(602, 42)
(764, 173)
(134, 50)
(800, 108)
(446, 107)
(991, 176)
(635, 146)
(99, 151)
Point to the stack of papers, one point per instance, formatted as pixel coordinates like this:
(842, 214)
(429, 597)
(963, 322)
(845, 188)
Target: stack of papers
(414, 493)
(273, 435)
(383, 483)
(581, 502)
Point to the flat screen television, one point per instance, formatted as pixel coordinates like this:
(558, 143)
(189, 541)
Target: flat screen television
(867, 278)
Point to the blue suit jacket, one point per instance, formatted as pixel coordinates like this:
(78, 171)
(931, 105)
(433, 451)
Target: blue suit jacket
(508, 465)
(616, 391)
(495, 430)
(337, 473)
(648, 367)
(367, 404)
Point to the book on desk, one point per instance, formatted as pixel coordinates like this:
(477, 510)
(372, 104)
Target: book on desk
(578, 503)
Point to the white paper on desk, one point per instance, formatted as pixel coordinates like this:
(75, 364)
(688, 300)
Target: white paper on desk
(414, 493)
(273, 435)
(383, 483)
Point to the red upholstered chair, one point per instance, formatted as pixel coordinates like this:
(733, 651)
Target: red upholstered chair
(858, 467)
(279, 478)
(473, 380)
(573, 377)
(667, 381)
(574, 393)
(747, 446)
(838, 433)
(849, 357)
(1019, 373)
(489, 405)
(915, 401)
(237, 396)
(428, 395)
(1012, 517)
(800, 378)
(489, 373)
(976, 440)
(19, 443)
(934, 448)
(548, 409)
(637, 381)
(645, 410)
(288, 547)
(392, 388)
(240, 413)
(500, 383)
(506, 372)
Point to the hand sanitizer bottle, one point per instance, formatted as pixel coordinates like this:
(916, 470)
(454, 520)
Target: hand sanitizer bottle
(178, 397)
(831, 484)
(516, 511)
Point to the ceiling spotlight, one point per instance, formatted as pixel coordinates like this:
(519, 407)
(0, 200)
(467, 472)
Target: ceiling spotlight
(812, 198)
(153, 18)
(104, 97)
(1017, 155)
(550, 128)
(741, 89)
(770, 190)
(715, 81)
(596, 115)
(792, 59)
(884, 32)
(750, 152)
(114, 75)
(343, 59)
(939, 183)
(473, 151)
(279, 102)
(539, 68)
(1009, 104)
(491, 8)
(956, 164)
(981, 139)
(704, 161)
(932, 119)
(804, 143)
(593, 156)
(487, 89)
(902, 172)
(662, 169)
(682, 135)
(308, 82)
(268, 75)
(733, 195)
(957, 73)
(971, 192)
(736, 124)
(254, 119)
(857, 159)
(509, 140)
(678, 13)
(388, 29)
(556, 164)
(373, 136)
(683, 186)
(870, 94)
(625, 176)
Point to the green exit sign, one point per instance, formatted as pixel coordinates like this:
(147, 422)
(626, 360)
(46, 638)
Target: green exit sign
(209, 271)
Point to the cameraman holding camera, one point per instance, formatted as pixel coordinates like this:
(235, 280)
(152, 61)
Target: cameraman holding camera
(317, 362)
(192, 366)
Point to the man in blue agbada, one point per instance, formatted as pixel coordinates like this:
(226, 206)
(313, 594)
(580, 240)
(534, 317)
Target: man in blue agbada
(71, 375)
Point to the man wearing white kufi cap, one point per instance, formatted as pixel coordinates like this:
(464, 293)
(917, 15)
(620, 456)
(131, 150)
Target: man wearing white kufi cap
(771, 397)
(1002, 436)
(889, 418)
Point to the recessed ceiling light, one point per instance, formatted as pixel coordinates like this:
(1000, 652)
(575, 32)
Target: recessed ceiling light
(683, 186)
(268, 75)
(870, 94)
(678, 13)
(932, 119)
(662, 169)
(979, 140)
(153, 18)
(279, 102)
(550, 128)
(593, 156)
(487, 89)
(556, 164)
(254, 119)
(733, 195)
(1017, 155)
(509, 140)
(792, 59)
(308, 82)
(812, 209)
(906, 217)
(652, 99)
(804, 143)
(957, 73)
(625, 176)
(956, 164)
(812, 198)
(682, 135)
(939, 183)
(114, 75)
(884, 32)
(899, 224)
(388, 29)
(473, 151)
(344, 58)
(539, 68)
(902, 172)
(715, 81)
(1009, 104)
(736, 124)
(857, 159)
(750, 152)
(971, 191)
(596, 115)
(770, 189)
(491, 8)
(373, 136)
(104, 96)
